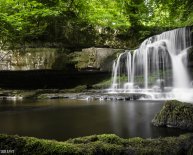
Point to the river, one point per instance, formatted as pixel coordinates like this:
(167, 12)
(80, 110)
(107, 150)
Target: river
(62, 119)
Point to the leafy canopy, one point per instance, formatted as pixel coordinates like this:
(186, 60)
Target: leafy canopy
(23, 20)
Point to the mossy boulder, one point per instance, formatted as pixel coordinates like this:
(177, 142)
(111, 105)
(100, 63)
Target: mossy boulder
(99, 144)
(175, 114)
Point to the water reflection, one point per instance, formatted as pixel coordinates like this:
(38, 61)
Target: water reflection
(64, 119)
(133, 118)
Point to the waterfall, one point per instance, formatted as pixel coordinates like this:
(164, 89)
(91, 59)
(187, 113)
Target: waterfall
(129, 83)
(116, 73)
(158, 65)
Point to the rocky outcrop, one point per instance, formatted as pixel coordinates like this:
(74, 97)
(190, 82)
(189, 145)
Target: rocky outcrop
(59, 59)
(96, 58)
(32, 58)
(175, 114)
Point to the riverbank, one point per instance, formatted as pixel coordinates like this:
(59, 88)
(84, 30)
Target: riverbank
(99, 144)
(87, 92)
(73, 93)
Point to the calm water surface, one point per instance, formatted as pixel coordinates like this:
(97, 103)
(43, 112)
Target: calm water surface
(63, 119)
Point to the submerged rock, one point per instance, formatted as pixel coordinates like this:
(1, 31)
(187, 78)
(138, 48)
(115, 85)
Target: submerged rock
(175, 114)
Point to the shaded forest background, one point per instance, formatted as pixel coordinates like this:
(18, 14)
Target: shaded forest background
(77, 24)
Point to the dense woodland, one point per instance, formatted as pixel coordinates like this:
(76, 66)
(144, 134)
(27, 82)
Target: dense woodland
(83, 23)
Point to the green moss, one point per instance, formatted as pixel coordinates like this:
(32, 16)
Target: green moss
(81, 59)
(44, 93)
(175, 114)
(27, 145)
(104, 84)
(34, 94)
(99, 144)
(83, 140)
(110, 138)
(79, 88)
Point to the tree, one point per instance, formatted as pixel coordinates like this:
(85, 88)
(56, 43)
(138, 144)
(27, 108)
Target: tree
(74, 21)
(22, 19)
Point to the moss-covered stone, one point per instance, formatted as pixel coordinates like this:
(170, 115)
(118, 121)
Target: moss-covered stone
(96, 58)
(175, 114)
(99, 144)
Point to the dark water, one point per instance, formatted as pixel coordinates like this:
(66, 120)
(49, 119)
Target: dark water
(64, 119)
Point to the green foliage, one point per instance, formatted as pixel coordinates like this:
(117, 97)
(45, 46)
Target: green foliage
(107, 13)
(170, 13)
(99, 144)
(22, 20)
(78, 23)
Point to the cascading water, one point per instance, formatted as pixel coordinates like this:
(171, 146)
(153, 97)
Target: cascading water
(157, 69)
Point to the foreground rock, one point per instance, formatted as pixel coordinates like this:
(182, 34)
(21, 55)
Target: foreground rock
(175, 114)
(99, 144)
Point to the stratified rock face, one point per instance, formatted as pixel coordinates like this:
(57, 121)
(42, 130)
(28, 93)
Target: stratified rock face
(175, 114)
(53, 58)
(31, 59)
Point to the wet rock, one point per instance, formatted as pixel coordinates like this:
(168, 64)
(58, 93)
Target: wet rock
(175, 114)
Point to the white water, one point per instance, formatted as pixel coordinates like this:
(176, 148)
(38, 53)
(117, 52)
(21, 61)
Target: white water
(116, 68)
(158, 68)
